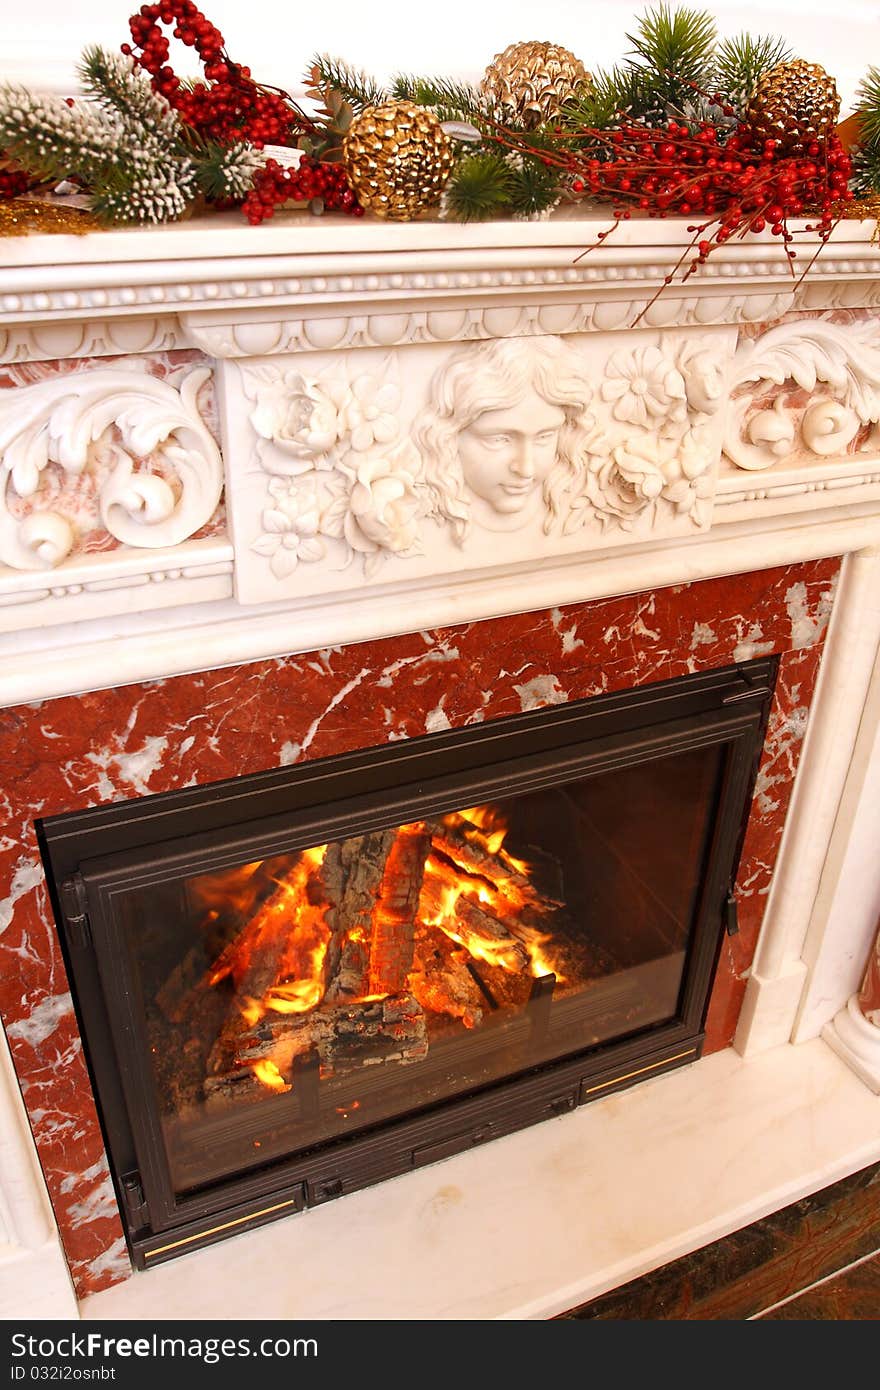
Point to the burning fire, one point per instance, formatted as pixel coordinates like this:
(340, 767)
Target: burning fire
(288, 960)
(448, 881)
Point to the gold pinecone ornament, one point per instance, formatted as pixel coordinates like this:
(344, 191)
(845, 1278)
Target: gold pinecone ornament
(529, 82)
(397, 159)
(795, 103)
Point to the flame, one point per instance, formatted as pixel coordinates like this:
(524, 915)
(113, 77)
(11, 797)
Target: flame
(489, 820)
(270, 1076)
(251, 1011)
(501, 895)
(288, 923)
(297, 997)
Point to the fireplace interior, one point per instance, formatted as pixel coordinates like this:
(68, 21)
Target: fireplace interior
(297, 983)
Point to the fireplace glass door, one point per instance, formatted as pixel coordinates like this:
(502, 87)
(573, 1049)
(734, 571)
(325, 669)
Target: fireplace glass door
(317, 992)
(364, 963)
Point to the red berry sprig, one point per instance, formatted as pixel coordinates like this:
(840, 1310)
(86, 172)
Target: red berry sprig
(322, 185)
(13, 183)
(734, 184)
(739, 185)
(233, 107)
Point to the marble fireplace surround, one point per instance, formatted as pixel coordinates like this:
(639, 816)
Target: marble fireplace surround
(224, 449)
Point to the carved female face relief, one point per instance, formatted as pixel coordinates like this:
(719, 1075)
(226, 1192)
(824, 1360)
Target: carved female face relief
(507, 454)
(504, 438)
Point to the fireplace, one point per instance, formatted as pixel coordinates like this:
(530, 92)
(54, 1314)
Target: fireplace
(145, 663)
(297, 983)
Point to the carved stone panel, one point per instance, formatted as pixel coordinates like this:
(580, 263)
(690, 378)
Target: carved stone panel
(807, 390)
(377, 467)
(104, 456)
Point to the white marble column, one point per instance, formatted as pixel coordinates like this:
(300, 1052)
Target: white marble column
(34, 1279)
(854, 1032)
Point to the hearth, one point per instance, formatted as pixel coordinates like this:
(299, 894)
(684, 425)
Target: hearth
(297, 983)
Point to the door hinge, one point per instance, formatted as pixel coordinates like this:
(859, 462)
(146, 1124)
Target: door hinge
(75, 906)
(135, 1200)
(730, 915)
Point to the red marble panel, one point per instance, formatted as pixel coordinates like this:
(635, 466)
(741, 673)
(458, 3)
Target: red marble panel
(70, 753)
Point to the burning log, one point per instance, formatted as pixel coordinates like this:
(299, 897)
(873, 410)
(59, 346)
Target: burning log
(229, 901)
(351, 876)
(486, 937)
(473, 926)
(441, 981)
(478, 858)
(391, 952)
(363, 1032)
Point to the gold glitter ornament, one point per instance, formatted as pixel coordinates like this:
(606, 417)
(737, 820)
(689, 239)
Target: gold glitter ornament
(529, 82)
(397, 158)
(22, 216)
(795, 103)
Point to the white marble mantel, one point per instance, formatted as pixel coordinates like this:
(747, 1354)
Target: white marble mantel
(762, 384)
(305, 295)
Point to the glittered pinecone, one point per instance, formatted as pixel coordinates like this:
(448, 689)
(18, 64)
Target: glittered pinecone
(528, 83)
(795, 103)
(397, 158)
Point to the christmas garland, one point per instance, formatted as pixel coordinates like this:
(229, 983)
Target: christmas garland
(737, 135)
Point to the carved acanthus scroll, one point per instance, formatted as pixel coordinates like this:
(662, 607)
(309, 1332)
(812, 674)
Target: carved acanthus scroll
(142, 443)
(837, 365)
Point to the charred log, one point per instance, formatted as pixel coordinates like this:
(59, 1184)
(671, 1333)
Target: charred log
(454, 842)
(363, 1032)
(441, 981)
(351, 876)
(391, 951)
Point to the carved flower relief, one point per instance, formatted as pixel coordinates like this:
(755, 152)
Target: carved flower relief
(291, 526)
(384, 506)
(304, 418)
(644, 387)
(371, 412)
(689, 486)
(623, 483)
(635, 475)
(343, 476)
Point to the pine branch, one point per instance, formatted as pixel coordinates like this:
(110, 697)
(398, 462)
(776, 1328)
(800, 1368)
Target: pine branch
(680, 41)
(626, 90)
(159, 192)
(480, 187)
(227, 171)
(866, 169)
(534, 188)
(868, 107)
(740, 61)
(674, 49)
(53, 140)
(356, 87)
(456, 100)
(120, 88)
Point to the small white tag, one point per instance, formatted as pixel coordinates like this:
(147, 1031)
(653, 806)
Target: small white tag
(283, 155)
